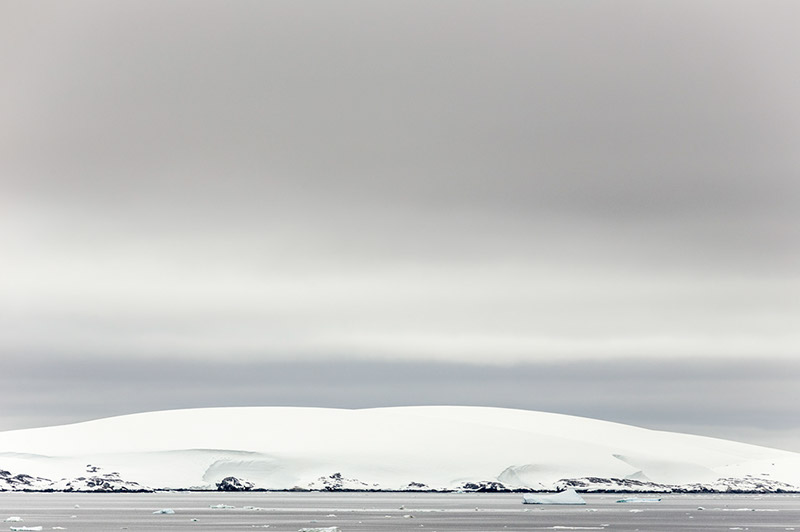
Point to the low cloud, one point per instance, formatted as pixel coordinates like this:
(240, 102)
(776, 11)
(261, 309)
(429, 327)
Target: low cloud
(590, 209)
(745, 400)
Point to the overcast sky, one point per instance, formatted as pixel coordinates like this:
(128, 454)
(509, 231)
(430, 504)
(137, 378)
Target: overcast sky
(582, 207)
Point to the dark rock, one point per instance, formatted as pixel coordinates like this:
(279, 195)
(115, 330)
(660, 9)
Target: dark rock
(234, 484)
(486, 486)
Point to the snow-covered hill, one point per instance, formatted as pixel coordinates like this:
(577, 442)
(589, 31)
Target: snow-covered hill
(384, 448)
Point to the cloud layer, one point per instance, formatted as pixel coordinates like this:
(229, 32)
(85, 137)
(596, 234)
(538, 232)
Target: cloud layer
(729, 401)
(459, 182)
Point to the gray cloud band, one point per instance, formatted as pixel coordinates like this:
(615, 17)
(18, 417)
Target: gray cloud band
(463, 182)
(750, 400)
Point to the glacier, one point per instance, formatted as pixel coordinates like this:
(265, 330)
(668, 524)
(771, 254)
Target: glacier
(455, 448)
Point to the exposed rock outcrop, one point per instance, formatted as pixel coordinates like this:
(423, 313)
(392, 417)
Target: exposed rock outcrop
(234, 484)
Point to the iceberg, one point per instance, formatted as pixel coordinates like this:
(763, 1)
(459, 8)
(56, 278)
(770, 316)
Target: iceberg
(569, 496)
(25, 528)
(13, 519)
(168, 511)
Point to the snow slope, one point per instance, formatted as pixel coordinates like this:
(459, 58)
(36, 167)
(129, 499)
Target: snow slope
(441, 447)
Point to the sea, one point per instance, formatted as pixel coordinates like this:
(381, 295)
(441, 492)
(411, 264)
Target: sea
(372, 511)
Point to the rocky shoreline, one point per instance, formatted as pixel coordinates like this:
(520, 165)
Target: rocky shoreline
(112, 483)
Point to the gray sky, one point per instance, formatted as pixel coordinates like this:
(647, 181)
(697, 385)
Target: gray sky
(435, 198)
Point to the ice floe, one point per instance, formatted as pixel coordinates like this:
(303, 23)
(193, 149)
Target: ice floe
(564, 497)
(640, 499)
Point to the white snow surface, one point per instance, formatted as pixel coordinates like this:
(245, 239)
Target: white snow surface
(440, 447)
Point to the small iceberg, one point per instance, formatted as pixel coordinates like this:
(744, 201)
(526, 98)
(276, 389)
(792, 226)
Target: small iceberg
(324, 529)
(221, 507)
(25, 528)
(13, 519)
(167, 511)
(641, 499)
(569, 496)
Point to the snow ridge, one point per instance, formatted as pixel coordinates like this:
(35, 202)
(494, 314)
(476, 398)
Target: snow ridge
(409, 448)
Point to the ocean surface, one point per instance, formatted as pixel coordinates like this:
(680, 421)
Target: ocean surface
(484, 512)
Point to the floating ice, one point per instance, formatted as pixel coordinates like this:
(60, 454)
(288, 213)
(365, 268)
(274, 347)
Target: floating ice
(569, 496)
(222, 507)
(25, 528)
(168, 511)
(324, 529)
(13, 519)
(640, 499)
(559, 527)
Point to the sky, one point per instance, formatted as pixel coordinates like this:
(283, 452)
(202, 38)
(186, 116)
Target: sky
(590, 208)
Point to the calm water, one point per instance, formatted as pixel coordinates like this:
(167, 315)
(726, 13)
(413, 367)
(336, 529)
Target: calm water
(284, 512)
